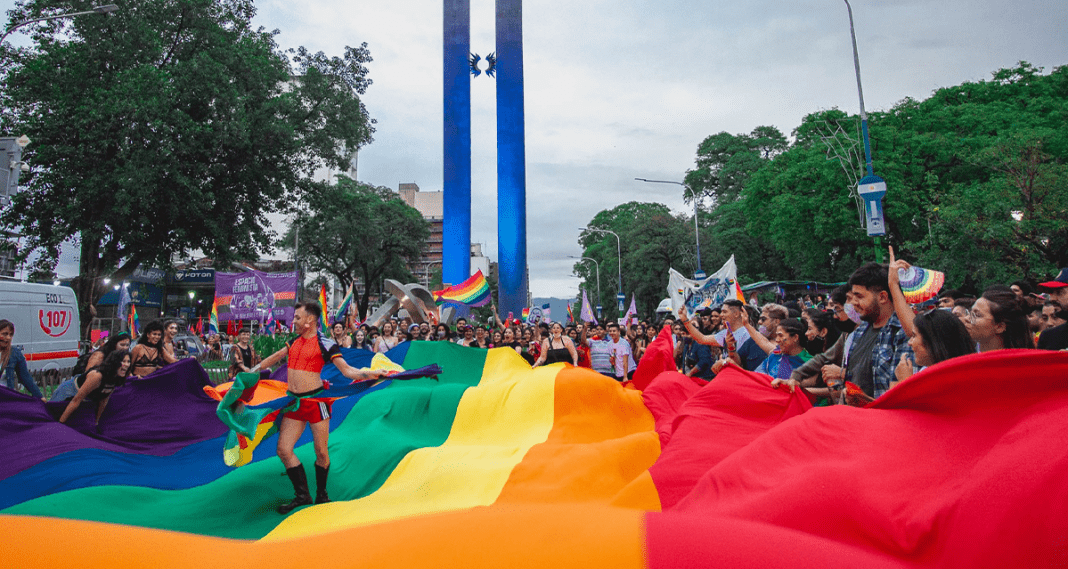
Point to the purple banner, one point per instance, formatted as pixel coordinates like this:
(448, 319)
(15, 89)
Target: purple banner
(256, 295)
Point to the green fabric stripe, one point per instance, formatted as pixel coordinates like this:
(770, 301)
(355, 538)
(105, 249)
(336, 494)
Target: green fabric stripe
(364, 449)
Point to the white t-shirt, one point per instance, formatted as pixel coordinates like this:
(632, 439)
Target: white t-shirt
(740, 336)
(624, 361)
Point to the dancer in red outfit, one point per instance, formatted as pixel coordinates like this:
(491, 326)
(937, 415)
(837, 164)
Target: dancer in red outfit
(307, 354)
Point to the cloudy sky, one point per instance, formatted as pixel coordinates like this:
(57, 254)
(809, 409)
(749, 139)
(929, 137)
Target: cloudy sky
(618, 90)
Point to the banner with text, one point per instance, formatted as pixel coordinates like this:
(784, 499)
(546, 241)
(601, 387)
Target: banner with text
(705, 293)
(256, 295)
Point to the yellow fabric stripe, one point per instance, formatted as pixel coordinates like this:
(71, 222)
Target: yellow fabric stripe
(496, 423)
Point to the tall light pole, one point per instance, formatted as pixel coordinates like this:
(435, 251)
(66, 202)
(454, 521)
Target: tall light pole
(870, 178)
(619, 261)
(598, 267)
(105, 9)
(696, 231)
(426, 272)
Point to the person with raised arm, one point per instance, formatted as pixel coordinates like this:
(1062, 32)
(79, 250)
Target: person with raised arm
(308, 353)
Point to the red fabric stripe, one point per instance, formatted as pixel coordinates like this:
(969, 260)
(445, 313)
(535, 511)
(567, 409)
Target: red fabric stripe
(712, 423)
(962, 465)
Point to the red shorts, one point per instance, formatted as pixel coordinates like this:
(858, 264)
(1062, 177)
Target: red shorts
(311, 411)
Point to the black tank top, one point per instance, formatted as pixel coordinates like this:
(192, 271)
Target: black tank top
(107, 385)
(558, 354)
(246, 355)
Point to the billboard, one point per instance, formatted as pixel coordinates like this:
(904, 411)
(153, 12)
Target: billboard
(253, 295)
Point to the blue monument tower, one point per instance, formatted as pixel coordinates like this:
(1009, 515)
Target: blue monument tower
(456, 201)
(507, 65)
(511, 159)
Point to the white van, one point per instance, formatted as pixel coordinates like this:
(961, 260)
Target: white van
(46, 327)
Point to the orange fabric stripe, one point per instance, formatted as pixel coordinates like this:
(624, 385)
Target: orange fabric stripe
(639, 494)
(562, 537)
(267, 390)
(602, 438)
(51, 355)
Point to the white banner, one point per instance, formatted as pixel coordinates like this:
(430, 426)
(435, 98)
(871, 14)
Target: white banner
(705, 293)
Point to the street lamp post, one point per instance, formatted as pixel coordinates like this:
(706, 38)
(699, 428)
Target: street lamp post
(696, 232)
(598, 267)
(105, 9)
(864, 125)
(426, 272)
(619, 261)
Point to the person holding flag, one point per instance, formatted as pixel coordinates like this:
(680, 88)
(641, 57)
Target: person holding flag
(308, 354)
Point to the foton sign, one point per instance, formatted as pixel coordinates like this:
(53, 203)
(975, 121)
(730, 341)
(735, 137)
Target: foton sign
(55, 323)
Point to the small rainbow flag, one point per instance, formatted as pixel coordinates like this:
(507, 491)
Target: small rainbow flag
(472, 292)
(343, 311)
(738, 292)
(525, 314)
(213, 321)
(324, 326)
(920, 285)
(135, 323)
(570, 313)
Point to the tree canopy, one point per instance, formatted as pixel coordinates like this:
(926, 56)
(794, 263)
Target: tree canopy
(977, 179)
(358, 232)
(166, 127)
(975, 175)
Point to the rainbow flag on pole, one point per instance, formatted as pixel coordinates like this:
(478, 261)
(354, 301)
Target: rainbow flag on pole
(213, 320)
(472, 292)
(324, 326)
(343, 310)
(135, 323)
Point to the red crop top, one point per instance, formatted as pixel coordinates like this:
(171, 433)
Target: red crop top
(311, 355)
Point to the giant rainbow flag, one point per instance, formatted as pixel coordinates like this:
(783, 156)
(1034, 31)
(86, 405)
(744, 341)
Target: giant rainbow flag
(474, 291)
(497, 465)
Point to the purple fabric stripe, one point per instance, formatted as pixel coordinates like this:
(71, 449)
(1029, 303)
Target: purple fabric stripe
(157, 415)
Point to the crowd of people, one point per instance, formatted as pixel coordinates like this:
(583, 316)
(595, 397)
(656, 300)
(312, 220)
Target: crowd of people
(863, 339)
(851, 346)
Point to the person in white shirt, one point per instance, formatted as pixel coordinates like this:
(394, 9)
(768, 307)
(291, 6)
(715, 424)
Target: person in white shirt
(620, 353)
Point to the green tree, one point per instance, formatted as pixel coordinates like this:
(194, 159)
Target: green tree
(975, 174)
(725, 161)
(358, 232)
(167, 127)
(724, 164)
(652, 240)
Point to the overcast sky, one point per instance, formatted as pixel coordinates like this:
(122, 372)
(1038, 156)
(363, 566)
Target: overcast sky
(618, 90)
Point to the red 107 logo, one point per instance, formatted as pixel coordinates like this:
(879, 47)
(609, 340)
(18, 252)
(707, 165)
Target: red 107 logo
(55, 322)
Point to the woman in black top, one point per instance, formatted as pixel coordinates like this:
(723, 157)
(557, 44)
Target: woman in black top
(120, 341)
(508, 341)
(557, 348)
(242, 355)
(98, 383)
(149, 354)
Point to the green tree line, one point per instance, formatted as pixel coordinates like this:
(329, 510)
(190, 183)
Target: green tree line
(977, 188)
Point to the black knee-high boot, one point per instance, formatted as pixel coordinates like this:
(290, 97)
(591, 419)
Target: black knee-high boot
(320, 484)
(300, 489)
